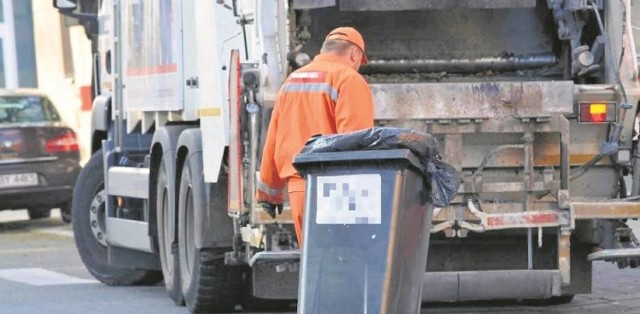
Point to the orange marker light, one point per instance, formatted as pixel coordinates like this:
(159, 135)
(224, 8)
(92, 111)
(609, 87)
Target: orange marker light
(599, 112)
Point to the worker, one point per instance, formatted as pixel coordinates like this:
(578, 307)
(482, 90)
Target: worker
(327, 96)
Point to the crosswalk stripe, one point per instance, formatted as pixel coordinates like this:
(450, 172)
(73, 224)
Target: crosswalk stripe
(57, 231)
(31, 250)
(40, 277)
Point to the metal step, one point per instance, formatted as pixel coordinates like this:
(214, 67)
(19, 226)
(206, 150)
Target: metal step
(130, 234)
(612, 254)
(128, 182)
(275, 257)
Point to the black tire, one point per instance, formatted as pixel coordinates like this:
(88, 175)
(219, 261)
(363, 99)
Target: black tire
(168, 258)
(563, 299)
(39, 212)
(90, 185)
(208, 285)
(65, 212)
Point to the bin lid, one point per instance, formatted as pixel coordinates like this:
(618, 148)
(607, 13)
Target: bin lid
(303, 161)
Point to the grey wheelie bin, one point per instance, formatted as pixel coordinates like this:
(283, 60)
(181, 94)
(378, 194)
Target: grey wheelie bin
(366, 232)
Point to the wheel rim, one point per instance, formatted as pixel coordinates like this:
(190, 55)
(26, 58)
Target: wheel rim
(97, 217)
(166, 251)
(189, 231)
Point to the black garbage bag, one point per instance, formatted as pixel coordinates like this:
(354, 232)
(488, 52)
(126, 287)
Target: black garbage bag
(441, 177)
(422, 144)
(443, 181)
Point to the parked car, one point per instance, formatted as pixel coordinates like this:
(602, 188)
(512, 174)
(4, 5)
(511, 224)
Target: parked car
(39, 155)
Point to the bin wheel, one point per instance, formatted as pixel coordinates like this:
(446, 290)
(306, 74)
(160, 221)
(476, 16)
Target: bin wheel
(168, 259)
(563, 299)
(65, 212)
(208, 285)
(39, 212)
(255, 304)
(87, 204)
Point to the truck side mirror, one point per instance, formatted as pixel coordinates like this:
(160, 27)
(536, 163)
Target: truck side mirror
(65, 4)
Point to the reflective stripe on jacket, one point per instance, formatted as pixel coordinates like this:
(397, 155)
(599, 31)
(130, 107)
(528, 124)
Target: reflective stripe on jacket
(324, 97)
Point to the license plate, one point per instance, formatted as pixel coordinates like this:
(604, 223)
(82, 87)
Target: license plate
(18, 180)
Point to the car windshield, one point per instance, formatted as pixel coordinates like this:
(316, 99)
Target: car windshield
(26, 109)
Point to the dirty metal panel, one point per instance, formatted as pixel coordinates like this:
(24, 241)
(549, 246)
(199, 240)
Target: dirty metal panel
(505, 124)
(606, 210)
(453, 150)
(546, 149)
(564, 256)
(440, 34)
(268, 283)
(313, 4)
(472, 100)
(502, 187)
(405, 5)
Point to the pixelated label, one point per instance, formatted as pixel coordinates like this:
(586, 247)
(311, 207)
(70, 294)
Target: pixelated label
(349, 199)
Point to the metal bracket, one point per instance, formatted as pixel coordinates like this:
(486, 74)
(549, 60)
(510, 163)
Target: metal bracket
(276, 257)
(613, 254)
(564, 256)
(442, 226)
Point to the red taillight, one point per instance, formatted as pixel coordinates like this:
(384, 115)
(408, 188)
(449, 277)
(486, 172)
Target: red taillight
(67, 142)
(597, 112)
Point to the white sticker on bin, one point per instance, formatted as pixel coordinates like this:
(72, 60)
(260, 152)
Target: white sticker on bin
(349, 199)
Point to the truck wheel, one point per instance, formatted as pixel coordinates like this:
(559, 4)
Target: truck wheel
(88, 227)
(208, 285)
(168, 258)
(39, 212)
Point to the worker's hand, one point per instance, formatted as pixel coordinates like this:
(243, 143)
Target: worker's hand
(272, 208)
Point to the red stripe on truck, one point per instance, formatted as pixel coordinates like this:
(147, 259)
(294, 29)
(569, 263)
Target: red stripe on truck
(524, 219)
(160, 69)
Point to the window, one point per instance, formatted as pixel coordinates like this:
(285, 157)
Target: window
(51, 110)
(24, 44)
(19, 109)
(2, 70)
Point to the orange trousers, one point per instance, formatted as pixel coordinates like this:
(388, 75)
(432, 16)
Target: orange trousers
(296, 188)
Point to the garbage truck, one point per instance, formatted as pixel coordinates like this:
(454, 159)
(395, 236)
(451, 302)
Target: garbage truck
(533, 102)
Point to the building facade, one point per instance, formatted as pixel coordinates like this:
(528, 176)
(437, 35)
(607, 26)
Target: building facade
(17, 45)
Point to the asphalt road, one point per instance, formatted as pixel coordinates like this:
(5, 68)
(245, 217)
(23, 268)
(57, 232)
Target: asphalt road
(41, 272)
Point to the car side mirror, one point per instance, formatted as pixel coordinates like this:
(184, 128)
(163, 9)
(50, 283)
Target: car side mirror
(65, 4)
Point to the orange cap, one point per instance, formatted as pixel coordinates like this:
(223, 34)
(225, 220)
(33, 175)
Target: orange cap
(351, 35)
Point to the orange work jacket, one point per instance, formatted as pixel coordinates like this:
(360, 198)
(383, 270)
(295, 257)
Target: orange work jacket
(324, 97)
